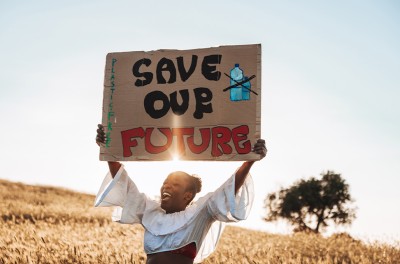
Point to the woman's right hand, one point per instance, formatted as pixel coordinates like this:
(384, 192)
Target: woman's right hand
(101, 135)
(101, 139)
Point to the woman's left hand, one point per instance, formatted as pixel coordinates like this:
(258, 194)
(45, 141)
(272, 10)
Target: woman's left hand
(260, 148)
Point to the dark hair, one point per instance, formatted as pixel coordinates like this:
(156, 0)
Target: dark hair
(195, 183)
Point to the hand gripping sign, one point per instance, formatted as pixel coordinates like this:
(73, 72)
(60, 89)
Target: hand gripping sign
(201, 104)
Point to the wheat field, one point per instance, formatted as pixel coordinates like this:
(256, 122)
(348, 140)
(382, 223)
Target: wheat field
(51, 225)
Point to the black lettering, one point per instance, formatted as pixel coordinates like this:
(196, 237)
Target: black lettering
(210, 71)
(203, 98)
(182, 71)
(166, 65)
(148, 76)
(176, 108)
(149, 101)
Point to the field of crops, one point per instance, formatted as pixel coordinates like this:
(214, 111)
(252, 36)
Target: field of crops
(51, 225)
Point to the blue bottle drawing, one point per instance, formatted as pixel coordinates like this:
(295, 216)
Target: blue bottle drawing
(246, 87)
(236, 75)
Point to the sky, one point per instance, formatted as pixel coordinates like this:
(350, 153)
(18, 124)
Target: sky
(330, 84)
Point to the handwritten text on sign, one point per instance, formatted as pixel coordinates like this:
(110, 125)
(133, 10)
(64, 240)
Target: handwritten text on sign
(199, 104)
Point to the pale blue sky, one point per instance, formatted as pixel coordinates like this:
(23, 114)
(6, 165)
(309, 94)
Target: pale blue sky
(330, 82)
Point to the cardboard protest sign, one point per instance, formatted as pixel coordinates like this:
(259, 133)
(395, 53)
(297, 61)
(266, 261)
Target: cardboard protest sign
(200, 104)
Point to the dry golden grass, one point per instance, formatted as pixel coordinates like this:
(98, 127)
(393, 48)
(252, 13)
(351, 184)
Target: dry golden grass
(51, 225)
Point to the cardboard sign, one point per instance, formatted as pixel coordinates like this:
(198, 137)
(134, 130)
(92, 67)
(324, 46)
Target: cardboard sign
(201, 104)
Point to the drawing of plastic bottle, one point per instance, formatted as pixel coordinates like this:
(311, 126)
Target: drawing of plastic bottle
(236, 75)
(246, 87)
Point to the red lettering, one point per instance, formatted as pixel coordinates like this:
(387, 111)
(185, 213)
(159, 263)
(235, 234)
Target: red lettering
(152, 149)
(179, 133)
(205, 141)
(127, 141)
(239, 134)
(221, 137)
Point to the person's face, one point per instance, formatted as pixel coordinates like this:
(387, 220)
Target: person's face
(174, 194)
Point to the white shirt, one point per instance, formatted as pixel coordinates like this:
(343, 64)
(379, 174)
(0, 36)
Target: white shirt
(201, 222)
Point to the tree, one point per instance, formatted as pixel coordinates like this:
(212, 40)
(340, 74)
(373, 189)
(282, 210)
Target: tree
(310, 205)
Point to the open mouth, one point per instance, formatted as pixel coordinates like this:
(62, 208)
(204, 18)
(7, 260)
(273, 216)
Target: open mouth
(165, 196)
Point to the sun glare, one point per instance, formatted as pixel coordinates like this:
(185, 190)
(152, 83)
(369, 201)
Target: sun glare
(174, 164)
(175, 158)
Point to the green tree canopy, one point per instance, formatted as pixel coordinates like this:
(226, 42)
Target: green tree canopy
(311, 205)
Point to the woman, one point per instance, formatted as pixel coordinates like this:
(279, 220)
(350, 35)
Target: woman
(176, 230)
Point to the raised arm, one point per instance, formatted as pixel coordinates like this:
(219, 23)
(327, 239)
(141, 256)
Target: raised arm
(243, 171)
(101, 139)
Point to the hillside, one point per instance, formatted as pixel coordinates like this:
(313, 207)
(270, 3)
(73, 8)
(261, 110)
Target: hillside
(52, 225)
